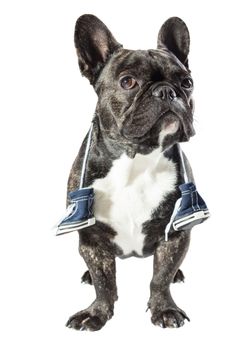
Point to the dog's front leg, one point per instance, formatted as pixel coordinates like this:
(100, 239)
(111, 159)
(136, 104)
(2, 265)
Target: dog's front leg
(167, 259)
(101, 264)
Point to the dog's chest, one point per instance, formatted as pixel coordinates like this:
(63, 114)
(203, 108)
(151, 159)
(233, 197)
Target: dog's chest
(127, 196)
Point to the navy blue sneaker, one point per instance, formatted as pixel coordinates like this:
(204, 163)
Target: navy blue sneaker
(79, 213)
(192, 210)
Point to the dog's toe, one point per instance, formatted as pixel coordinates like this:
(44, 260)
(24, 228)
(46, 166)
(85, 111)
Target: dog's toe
(86, 278)
(179, 277)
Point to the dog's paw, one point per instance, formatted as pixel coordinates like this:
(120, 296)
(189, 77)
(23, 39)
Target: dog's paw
(86, 278)
(169, 318)
(84, 321)
(91, 319)
(179, 277)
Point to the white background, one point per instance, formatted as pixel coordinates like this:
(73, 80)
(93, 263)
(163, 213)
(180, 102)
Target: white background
(46, 108)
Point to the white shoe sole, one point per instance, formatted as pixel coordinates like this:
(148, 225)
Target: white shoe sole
(67, 228)
(186, 221)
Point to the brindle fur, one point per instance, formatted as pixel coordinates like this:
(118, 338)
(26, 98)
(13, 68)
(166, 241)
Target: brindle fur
(101, 60)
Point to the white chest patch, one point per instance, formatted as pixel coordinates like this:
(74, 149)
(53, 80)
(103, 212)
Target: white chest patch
(126, 197)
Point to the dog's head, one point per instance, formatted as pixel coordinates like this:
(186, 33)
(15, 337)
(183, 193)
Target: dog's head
(144, 97)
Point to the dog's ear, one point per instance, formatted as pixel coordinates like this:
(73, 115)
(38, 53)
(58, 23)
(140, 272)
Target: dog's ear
(174, 35)
(94, 44)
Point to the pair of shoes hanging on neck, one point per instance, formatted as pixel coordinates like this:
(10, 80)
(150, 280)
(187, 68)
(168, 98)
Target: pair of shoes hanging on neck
(189, 210)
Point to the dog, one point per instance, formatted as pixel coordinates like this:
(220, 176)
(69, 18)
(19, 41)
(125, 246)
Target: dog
(144, 109)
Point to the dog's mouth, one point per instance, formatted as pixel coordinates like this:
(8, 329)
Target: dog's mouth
(170, 123)
(168, 127)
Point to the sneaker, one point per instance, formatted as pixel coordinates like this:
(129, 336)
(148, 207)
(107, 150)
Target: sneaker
(192, 211)
(79, 213)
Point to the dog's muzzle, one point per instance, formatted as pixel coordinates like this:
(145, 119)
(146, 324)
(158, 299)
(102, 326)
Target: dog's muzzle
(168, 96)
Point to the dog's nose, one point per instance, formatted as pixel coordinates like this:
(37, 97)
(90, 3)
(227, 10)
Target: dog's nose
(164, 93)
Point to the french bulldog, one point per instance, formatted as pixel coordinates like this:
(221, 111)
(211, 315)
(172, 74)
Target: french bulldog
(144, 110)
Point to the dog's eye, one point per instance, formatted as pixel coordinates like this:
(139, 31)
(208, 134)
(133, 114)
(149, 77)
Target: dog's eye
(187, 83)
(128, 82)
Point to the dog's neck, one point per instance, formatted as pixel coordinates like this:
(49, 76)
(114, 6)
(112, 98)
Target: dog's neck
(116, 144)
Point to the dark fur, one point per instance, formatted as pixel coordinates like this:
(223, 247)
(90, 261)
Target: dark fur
(130, 122)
